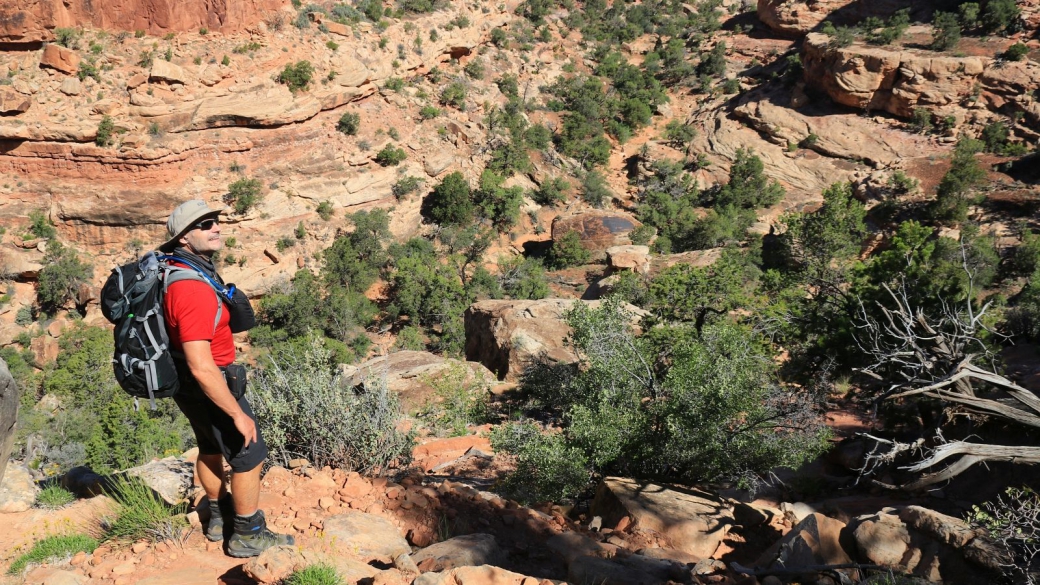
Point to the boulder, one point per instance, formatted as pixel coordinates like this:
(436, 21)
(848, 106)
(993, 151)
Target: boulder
(608, 572)
(634, 258)
(812, 542)
(276, 563)
(171, 478)
(895, 80)
(470, 550)
(9, 397)
(83, 482)
(189, 575)
(13, 102)
(795, 18)
(71, 86)
(598, 230)
(882, 540)
(365, 536)
(482, 575)
(53, 576)
(60, 58)
(163, 70)
(17, 490)
(409, 373)
(695, 522)
(508, 336)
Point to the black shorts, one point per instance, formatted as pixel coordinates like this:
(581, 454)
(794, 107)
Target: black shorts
(215, 432)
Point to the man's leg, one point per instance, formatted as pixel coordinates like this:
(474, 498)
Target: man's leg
(245, 491)
(210, 469)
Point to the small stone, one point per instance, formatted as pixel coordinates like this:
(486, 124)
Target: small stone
(78, 559)
(139, 547)
(326, 502)
(298, 463)
(124, 568)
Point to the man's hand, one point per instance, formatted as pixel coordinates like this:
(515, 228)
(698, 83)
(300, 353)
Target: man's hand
(247, 427)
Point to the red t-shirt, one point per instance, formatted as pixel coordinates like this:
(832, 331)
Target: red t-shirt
(190, 307)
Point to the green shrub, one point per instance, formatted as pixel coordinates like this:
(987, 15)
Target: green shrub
(300, 232)
(1001, 15)
(24, 317)
(475, 69)
(410, 339)
(568, 251)
(394, 83)
(284, 243)
(320, 574)
(244, 194)
(429, 112)
(947, 31)
(296, 76)
(1025, 260)
(142, 514)
(40, 225)
(594, 189)
(1016, 52)
(522, 278)
(551, 191)
(54, 496)
(53, 548)
(642, 235)
(88, 68)
(955, 192)
(679, 134)
(902, 183)
(843, 37)
(305, 411)
(390, 156)
(349, 123)
(547, 468)
(105, 130)
(458, 401)
(418, 6)
(61, 276)
(406, 185)
(451, 201)
(454, 95)
(67, 37)
(225, 61)
(325, 210)
(921, 120)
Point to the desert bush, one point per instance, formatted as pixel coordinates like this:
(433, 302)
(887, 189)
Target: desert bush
(429, 112)
(325, 210)
(390, 156)
(304, 410)
(451, 201)
(522, 278)
(53, 548)
(105, 130)
(1011, 522)
(673, 403)
(454, 95)
(956, 189)
(947, 31)
(40, 225)
(244, 194)
(547, 468)
(61, 276)
(475, 69)
(551, 191)
(296, 76)
(497, 203)
(594, 189)
(458, 401)
(141, 513)
(1001, 15)
(406, 185)
(1016, 52)
(349, 123)
(568, 251)
(679, 134)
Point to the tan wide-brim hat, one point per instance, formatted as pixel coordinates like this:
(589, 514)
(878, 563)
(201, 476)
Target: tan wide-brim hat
(183, 220)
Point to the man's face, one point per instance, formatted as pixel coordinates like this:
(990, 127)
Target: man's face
(204, 242)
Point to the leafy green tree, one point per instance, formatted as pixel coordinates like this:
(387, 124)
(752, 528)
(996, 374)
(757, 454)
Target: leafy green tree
(668, 404)
(355, 259)
(748, 187)
(40, 225)
(390, 156)
(296, 76)
(499, 204)
(522, 278)
(568, 251)
(552, 191)
(61, 276)
(947, 31)
(1001, 15)
(244, 194)
(955, 192)
(684, 293)
(454, 95)
(594, 189)
(451, 202)
(668, 202)
(349, 123)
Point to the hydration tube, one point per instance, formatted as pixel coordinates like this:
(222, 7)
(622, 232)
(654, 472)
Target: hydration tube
(227, 292)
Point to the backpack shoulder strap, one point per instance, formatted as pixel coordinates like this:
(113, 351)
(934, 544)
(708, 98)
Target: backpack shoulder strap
(172, 274)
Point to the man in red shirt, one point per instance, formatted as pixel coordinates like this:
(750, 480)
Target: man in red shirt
(198, 321)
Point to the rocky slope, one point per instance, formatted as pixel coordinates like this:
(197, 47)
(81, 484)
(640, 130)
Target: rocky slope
(35, 21)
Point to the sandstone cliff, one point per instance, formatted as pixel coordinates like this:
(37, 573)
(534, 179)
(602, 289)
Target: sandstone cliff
(34, 21)
(897, 80)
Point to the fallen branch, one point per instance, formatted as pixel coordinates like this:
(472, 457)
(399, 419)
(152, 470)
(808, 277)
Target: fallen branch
(971, 453)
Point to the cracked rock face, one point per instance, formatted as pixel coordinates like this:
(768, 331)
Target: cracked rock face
(8, 415)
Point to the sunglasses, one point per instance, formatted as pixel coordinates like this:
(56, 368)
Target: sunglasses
(206, 224)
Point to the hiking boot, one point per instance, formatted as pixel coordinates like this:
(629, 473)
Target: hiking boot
(258, 539)
(215, 527)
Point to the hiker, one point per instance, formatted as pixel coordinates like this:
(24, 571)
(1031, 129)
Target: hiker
(200, 323)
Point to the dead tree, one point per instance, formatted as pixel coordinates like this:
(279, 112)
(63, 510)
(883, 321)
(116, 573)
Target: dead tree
(915, 355)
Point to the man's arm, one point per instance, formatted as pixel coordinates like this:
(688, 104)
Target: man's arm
(211, 380)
